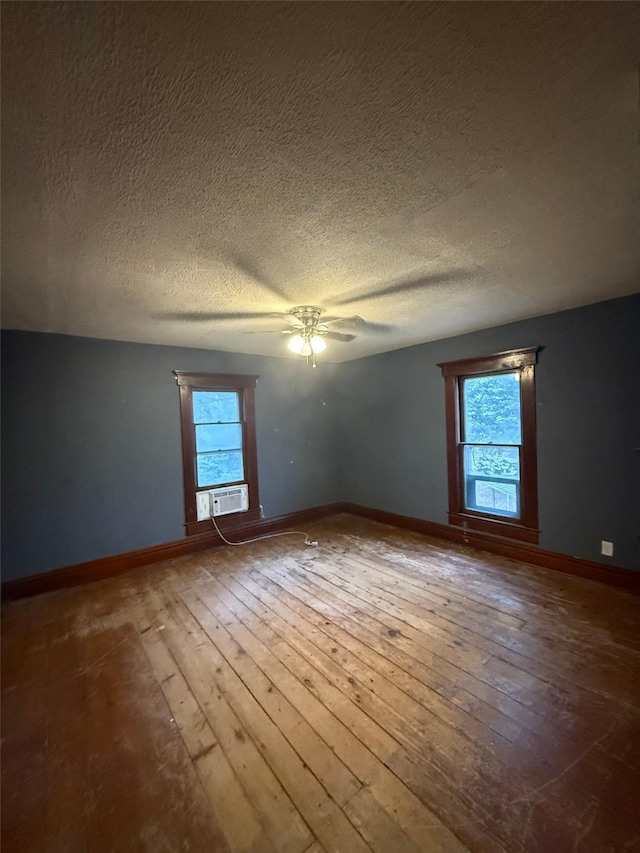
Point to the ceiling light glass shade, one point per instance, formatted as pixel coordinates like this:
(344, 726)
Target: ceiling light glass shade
(306, 348)
(296, 343)
(318, 344)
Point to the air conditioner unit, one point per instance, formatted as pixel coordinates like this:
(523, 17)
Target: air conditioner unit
(222, 501)
(232, 499)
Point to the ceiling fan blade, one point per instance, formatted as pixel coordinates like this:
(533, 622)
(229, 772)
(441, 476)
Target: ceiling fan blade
(404, 285)
(208, 316)
(346, 322)
(356, 322)
(265, 331)
(339, 336)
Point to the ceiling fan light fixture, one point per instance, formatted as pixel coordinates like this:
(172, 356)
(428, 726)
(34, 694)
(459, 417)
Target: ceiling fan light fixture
(308, 336)
(296, 344)
(318, 344)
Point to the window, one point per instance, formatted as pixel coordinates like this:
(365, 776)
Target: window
(491, 443)
(218, 438)
(218, 441)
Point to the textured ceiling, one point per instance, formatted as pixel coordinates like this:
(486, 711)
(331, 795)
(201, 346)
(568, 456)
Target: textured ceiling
(476, 162)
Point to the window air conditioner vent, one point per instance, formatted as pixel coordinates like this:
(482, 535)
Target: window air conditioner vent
(232, 499)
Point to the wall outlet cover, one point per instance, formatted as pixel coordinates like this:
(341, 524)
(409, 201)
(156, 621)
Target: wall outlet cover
(606, 548)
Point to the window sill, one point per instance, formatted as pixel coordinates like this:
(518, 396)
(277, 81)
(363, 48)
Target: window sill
(499, 527)
(226, 523)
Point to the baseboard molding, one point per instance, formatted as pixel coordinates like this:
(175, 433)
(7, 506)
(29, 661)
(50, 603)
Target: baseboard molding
(105, 567)
(526, 553)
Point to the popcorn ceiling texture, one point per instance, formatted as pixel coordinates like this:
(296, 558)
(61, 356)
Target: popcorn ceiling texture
(166, 157)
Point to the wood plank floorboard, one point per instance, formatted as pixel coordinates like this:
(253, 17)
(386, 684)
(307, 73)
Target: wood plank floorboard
(382, 692)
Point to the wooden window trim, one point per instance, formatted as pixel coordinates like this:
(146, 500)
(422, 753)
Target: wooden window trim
(245, 386)
(524, 528)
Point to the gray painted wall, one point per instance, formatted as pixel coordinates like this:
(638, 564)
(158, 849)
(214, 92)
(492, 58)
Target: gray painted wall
(91, 451)
(91, 446)
(588, 417)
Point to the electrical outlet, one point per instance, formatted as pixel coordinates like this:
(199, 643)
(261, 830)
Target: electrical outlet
(203, 506)
(606, 548)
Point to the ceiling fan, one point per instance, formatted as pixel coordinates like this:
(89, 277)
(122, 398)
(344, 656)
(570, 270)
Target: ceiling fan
(308, 334)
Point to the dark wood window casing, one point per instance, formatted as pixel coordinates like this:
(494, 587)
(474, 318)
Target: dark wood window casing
(525, 526)
(245, 387)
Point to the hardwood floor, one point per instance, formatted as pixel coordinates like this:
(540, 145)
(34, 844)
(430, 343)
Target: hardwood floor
(383, 691)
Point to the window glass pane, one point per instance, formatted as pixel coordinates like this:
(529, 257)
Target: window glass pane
(494, 461)
(213, 407)
(494, 497)
(492, 479)
(215, 469)
(492, 409)
(218, 437)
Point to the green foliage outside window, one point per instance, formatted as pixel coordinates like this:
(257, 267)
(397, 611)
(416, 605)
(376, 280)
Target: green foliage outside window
(492, 409)
(492, 417)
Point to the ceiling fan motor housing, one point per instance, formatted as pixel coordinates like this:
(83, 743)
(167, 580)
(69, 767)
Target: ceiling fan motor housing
(309, 317)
